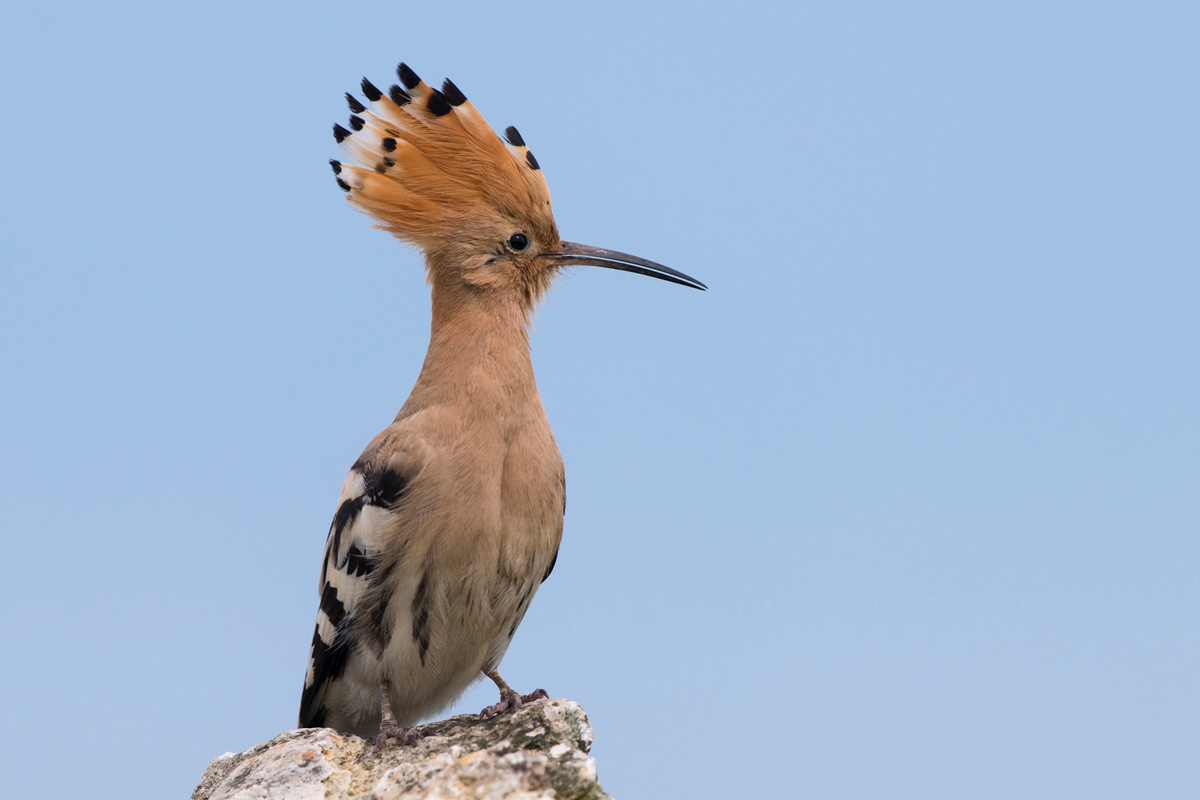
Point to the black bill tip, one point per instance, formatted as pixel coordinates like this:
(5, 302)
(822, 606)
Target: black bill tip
(589, 256)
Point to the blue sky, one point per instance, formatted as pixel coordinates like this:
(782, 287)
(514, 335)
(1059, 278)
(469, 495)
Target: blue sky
(906, 505)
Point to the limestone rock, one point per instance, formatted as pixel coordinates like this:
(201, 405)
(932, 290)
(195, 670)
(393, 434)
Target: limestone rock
(538, 752)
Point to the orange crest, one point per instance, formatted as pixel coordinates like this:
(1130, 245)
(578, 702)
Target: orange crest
(427, 164)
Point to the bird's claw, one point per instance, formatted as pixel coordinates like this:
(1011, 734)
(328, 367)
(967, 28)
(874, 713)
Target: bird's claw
(512, 701)
(390, 730)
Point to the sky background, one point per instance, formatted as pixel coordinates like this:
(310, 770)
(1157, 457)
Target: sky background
(906, 505)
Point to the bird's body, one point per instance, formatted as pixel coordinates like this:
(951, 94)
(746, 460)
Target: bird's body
(450, 580)
(452, 517)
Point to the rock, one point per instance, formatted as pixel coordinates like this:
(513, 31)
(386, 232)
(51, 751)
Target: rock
(538, 752)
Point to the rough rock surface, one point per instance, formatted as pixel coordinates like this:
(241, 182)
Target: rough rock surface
(538, 752)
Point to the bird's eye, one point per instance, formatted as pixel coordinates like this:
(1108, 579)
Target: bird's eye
(518, 241)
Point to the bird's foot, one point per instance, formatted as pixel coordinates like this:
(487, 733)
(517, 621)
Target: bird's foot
(512, 701)
(390, 730)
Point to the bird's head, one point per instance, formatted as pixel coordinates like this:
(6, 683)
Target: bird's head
(431, 170)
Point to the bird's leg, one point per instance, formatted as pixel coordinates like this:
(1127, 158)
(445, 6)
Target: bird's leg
(388, 727)
(509, 698)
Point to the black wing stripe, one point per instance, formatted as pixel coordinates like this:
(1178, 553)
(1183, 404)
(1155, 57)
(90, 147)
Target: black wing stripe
(329, 661)
(358, 563)
(346, 514)
(332, 606)
(353, 569)
(385, 487)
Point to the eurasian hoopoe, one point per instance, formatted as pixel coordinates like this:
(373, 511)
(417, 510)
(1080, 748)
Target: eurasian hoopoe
(451, 518)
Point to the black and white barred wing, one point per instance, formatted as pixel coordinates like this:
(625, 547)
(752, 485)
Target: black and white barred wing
(368, 508)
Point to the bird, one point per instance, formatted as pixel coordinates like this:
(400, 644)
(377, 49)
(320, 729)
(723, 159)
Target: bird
(451, 518)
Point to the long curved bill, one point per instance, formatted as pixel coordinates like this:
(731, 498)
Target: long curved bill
(588, 256)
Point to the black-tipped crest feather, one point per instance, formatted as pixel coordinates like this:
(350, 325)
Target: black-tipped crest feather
(409, 78)
(437, 104)
(453, 94)
(370, 90)
(399, 96)
(422, 160)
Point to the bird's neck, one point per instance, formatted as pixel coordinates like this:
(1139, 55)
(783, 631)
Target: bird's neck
(478, 353)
